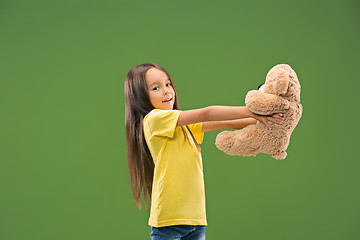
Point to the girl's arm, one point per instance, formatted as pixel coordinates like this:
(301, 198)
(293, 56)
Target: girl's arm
(232, 124)
(222, 113)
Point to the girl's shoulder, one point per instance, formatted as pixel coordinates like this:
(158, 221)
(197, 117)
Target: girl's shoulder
(161, 122)
(161, 113)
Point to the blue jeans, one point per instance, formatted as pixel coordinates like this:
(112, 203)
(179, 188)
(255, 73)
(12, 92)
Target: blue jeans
(178, 232)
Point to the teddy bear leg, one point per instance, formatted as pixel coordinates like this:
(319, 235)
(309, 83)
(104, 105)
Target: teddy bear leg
(280, 155)
(224, 141)
(234, 143)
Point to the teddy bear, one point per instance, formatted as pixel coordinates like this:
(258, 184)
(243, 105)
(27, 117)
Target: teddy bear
(279, 94)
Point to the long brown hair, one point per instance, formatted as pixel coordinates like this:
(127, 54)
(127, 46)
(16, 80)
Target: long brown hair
(137, 105)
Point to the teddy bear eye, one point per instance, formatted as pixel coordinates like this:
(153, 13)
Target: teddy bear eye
(260, 86)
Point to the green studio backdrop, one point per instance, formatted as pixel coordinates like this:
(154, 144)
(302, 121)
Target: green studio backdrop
(63, 166)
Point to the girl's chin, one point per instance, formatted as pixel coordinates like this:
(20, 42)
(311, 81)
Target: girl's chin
(167, 106)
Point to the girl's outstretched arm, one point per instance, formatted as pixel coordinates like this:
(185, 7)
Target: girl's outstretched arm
(223, 113)
(229, 124)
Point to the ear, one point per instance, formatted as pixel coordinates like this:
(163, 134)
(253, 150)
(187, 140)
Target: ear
(278, 83)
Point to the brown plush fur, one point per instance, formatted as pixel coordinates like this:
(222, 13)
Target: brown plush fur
(280, 93)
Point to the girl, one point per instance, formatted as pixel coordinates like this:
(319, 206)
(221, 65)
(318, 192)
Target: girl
(163, 149)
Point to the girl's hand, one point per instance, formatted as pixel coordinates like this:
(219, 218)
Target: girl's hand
(275, 118)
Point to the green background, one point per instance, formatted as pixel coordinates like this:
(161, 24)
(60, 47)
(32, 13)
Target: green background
(63, 166)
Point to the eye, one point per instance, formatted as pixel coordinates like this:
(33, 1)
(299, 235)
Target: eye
(155, 88)
(168, 84)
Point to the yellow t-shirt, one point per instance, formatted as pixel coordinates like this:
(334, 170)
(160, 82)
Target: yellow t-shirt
(178, 190)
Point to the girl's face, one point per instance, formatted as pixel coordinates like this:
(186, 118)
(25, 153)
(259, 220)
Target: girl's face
(160, 90)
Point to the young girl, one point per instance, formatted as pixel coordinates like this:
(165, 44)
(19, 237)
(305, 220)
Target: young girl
(164, 155)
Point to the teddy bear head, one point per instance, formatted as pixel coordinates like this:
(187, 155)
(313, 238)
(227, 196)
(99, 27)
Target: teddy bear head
(282, 80)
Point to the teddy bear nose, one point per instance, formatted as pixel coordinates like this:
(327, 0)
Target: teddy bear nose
(260, 86)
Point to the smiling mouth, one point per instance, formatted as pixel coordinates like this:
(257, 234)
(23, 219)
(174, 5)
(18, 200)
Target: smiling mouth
(165, 101)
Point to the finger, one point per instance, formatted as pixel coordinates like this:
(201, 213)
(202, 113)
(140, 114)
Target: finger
(274, 120)
(266, 123)
(278, 116)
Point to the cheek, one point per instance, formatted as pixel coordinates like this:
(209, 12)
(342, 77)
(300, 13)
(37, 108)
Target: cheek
(151, 97)
(154, 97)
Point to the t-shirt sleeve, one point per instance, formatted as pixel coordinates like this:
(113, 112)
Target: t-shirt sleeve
(196, 130)
(162, 123)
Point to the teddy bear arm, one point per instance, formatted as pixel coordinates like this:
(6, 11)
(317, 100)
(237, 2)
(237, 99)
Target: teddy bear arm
(265, 103)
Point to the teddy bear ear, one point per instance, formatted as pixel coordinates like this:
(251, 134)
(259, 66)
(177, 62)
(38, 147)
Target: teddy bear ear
(278, 83)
